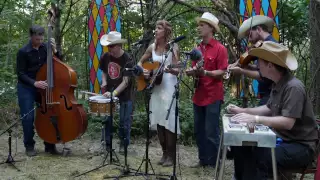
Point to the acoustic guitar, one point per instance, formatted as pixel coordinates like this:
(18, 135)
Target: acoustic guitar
(153, 67)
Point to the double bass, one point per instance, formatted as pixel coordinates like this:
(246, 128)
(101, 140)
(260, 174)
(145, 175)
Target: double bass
(59, 117)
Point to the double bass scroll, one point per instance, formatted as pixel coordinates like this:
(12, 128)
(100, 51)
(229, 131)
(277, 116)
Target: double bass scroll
(59, 117)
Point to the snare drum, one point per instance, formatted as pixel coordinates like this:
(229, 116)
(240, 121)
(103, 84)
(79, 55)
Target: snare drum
(100, 105)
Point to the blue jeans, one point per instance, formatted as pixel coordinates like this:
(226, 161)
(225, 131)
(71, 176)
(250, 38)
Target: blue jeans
(124, 124)
(207, 132)
(257, 164)
(26, 99)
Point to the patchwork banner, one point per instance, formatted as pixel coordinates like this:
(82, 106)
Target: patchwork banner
(249, 8)
(104, 16)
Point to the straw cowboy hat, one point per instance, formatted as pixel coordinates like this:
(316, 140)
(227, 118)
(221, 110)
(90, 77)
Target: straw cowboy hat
(113, 37)
(210, 19)
(254, 21)
(275, 53)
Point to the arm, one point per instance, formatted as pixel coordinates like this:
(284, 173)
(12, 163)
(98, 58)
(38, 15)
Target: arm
(261, 111)
(122, 86)
(145, 56)
(22, 69)
(104, 80)
(277, 122)
(251, 73)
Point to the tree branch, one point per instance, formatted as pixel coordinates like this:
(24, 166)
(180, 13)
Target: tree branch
(172, 17)
(233, 29)
(68, 15)
(2, 6)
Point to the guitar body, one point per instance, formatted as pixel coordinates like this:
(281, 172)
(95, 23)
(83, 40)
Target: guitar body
(150, 66)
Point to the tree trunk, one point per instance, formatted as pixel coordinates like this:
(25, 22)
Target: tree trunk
(57, 7)
(314, 12)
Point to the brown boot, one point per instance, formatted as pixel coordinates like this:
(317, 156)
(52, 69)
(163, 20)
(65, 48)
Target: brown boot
(171, 147)
(162, 140)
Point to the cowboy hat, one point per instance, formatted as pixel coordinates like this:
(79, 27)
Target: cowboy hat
(254, 21)
(210, 19)
(275, 53)
(113, 37)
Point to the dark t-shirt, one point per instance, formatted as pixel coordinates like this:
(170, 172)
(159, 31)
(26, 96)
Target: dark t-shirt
(264, 86)
(289, 99)
(114, 69)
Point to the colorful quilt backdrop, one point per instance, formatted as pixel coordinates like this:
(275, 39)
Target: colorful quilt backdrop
(104, 16)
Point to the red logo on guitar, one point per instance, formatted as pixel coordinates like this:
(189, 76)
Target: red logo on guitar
(113, 70)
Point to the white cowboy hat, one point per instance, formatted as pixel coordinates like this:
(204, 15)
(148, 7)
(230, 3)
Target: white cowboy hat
(254, 21)
(275, 53)
(210, 19)
(113, 37)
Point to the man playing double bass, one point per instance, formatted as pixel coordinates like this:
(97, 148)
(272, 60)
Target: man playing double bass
(30, 59)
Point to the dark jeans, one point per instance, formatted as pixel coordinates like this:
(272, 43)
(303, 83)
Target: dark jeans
(26, 99)
(255, 163)
(207, 132)
(124, 124)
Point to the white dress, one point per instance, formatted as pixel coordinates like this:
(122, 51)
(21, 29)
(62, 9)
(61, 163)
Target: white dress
(161, 97)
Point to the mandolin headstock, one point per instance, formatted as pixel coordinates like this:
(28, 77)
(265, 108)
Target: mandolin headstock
(51, 17)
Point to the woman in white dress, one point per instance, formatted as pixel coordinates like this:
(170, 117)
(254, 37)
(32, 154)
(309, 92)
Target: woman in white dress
(162, 94)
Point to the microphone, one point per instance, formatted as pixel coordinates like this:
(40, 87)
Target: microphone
(176, 40)
(141, 41)
(136, 70)
(195, 54)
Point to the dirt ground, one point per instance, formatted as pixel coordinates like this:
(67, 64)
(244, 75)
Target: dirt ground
(87, 154)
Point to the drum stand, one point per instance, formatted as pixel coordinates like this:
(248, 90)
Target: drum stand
(111, 151)
(10, 159)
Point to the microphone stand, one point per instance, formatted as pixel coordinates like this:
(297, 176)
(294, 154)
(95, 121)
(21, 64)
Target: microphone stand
(176, 96)
(10, 159)
(148, 92)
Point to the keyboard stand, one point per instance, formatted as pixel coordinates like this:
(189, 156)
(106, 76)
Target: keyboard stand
(235, 135)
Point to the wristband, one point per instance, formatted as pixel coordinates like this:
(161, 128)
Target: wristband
(257, 119)
(115, 93)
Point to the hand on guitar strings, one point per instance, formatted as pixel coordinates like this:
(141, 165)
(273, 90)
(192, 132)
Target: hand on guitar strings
(41, 84)
(235, 69)
(146, 73)
(193, 71)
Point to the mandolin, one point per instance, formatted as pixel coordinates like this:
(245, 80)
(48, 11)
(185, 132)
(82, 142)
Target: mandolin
(198, 65)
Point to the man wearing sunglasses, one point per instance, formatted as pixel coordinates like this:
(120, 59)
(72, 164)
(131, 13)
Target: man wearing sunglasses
(117, 84)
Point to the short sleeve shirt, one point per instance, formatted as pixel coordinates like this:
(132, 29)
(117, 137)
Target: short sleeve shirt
(114, 69)
(288, 98)
(210, 89)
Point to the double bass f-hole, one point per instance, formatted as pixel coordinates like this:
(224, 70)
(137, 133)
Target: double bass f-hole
(65, 102)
